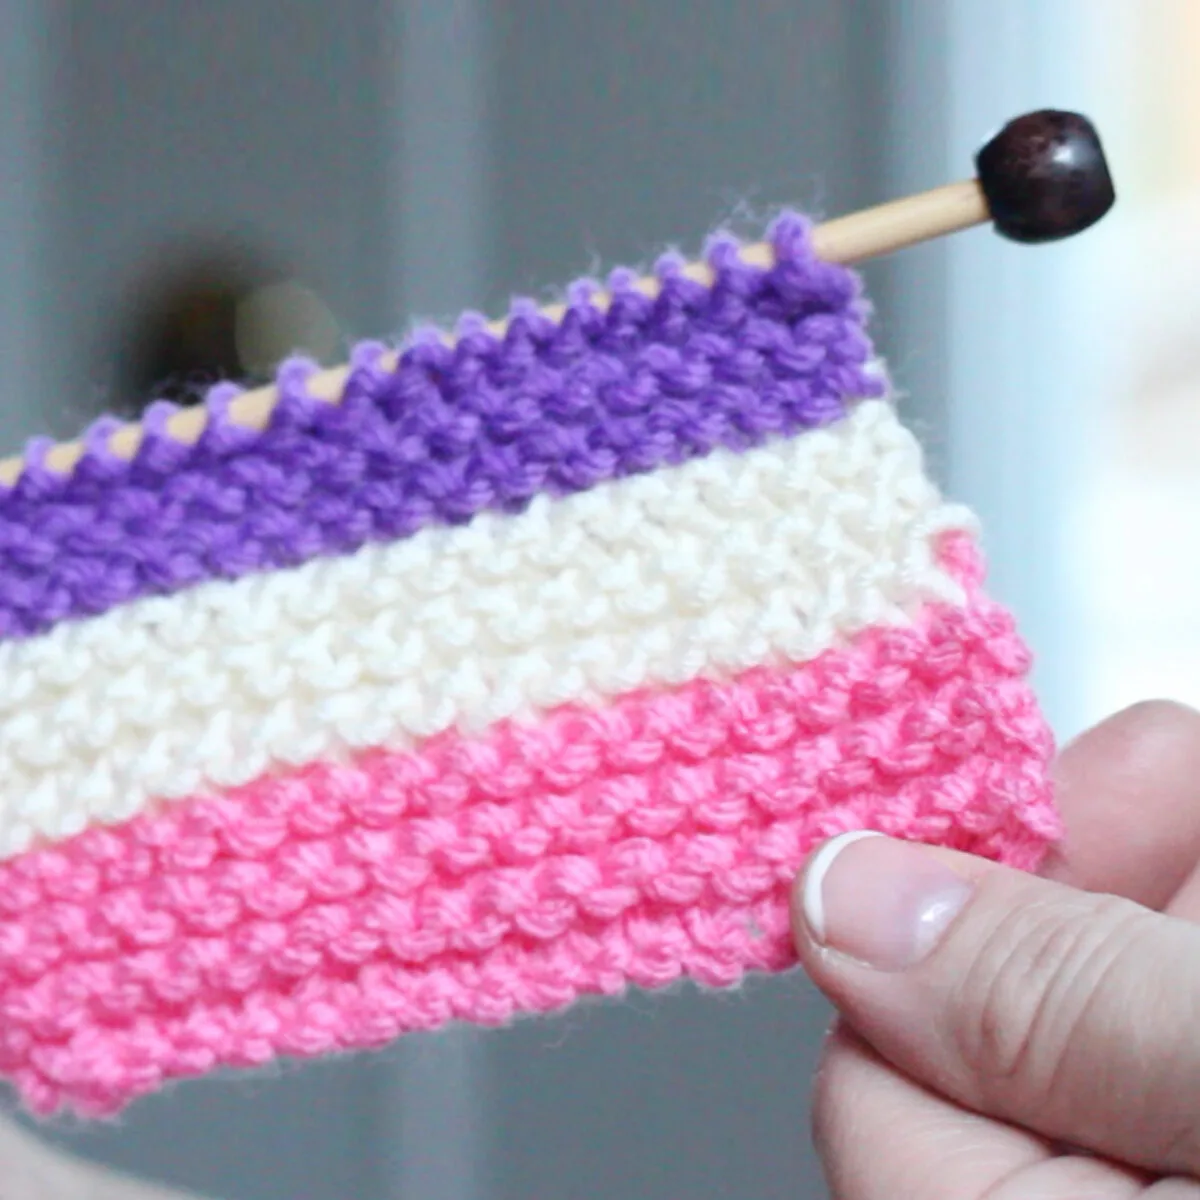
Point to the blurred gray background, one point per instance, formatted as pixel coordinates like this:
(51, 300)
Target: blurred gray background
(406, 158)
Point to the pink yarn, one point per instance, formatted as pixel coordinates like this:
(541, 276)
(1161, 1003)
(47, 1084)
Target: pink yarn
(339, 906)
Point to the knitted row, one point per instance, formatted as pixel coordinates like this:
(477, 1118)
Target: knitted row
(551, 407)
(704, 569)
(531, 668)
(336, 906)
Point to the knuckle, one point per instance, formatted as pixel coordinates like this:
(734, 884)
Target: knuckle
(1153, 719)
(1152, 730)
(1022, 1006)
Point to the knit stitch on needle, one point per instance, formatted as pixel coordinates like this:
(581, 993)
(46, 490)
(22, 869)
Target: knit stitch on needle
(531, 669)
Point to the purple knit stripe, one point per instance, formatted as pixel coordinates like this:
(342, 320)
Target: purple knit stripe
(450, 432)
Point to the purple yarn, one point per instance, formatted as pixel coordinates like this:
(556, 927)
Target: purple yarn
(450, 432)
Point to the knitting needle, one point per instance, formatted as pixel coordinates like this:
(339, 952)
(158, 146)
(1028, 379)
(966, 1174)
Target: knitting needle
(1043, 177)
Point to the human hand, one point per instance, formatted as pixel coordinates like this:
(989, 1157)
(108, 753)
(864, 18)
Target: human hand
(1012, 1018)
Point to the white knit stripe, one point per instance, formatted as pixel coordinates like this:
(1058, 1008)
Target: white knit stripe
(709, 567)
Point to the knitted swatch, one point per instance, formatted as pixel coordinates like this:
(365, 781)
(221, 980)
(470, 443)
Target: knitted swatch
(533, 668)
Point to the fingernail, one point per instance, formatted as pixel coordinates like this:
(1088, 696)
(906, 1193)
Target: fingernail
(882, 902)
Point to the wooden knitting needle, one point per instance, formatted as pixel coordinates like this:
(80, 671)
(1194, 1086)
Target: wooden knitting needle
(1043, 177)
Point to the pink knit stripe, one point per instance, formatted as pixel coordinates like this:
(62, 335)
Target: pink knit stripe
(339, 906)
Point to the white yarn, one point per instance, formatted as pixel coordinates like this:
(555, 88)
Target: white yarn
(710, 567)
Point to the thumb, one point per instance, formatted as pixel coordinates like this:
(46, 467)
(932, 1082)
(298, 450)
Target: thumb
(1070, 1014)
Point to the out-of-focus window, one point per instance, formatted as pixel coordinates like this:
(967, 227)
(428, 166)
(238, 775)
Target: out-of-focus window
(1137, 531)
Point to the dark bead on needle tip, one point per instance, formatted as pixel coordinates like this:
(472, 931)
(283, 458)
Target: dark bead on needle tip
(1044, 177)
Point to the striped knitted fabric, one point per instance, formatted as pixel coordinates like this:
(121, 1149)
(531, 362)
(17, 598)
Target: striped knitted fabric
(532, 669)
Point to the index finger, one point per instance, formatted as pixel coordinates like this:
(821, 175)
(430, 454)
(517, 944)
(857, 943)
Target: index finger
(881, 1135)
(1129, 793)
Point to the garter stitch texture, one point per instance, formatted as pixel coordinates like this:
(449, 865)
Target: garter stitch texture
(533, 669)
(551, 408)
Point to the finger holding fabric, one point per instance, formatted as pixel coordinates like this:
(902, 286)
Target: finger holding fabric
(989, 1017)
